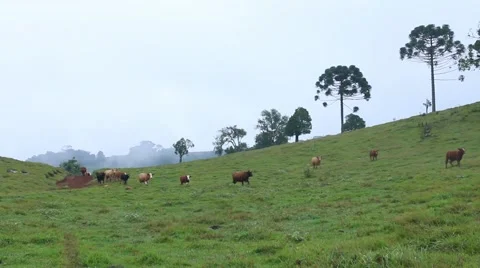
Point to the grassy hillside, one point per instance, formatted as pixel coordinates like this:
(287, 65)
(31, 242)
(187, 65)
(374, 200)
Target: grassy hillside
(403, 210)
(18, 177)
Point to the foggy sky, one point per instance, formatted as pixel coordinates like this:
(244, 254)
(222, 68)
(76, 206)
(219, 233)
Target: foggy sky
(105, 75)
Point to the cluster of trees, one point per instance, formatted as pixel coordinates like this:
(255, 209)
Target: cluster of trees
(428, 44)
(274, 127)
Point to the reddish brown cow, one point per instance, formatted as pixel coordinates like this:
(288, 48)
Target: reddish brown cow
(454, 156)
(83, 170)
(185, 179)
(241, 176)
(373, 154)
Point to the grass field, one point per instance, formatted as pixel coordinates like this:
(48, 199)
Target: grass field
(403, 210)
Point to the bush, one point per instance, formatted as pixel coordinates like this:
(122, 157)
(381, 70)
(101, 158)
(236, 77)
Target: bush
(307, 172)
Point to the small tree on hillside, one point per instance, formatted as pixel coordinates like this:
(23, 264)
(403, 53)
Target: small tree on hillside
(427, 104)
(181, 148)
(272, 129)
(71, 166)
(436, 47)
(472, 59)
(299, 123)
(352, 122)
(232, 136)
(345, 83)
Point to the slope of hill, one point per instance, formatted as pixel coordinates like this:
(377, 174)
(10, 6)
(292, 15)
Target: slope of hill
(403, 210)
(18, 177)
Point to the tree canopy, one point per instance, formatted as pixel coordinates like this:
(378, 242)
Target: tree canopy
(181, 148)
(71, 166)
(231, 135)
(435, 46)
(352, 122)
(272, 129)
(299, 123)
(343, 83)
(472, 59)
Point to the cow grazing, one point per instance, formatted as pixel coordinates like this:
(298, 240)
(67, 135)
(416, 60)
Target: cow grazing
(145, 177)
(185, 179)
(241, 176)
(83, 170)
(101, 177)
(124, 177)
(373, 154)
(454, 156)
(316, 160)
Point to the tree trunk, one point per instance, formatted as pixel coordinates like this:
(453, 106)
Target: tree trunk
(296, 137)
(341, 111)
(432, 77)
(181, 158)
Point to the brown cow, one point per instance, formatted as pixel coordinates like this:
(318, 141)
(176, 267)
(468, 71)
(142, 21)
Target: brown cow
(185, 179)
(116, 175)
(241, 176)
(373, 154)
(83, 170)
(145, 177)
(454, 156)
(316, 160)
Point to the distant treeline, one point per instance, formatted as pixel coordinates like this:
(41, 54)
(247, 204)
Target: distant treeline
(145, 154)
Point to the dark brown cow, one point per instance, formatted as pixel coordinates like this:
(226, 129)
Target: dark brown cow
(83, 170)
(241, 176)
(454, 156)
(373, 154)
(185, 179)
(101, 177)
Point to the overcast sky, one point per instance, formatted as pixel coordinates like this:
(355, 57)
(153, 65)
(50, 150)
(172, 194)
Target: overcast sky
(105, 75)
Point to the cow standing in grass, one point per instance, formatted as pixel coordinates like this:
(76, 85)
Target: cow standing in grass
(145, 177)
(124, 177)
(241, 176)
(185, 179)
(454, 156)
(316, 160)
(108, 174)
(373, 154)
(101, 177)
(83, 170)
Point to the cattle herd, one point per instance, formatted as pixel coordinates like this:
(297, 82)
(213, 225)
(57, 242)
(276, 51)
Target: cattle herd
(238, 176)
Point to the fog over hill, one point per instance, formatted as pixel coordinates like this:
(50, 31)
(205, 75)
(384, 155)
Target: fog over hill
(146, 153)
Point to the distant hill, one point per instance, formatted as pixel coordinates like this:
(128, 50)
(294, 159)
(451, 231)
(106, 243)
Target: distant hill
(146, 153)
